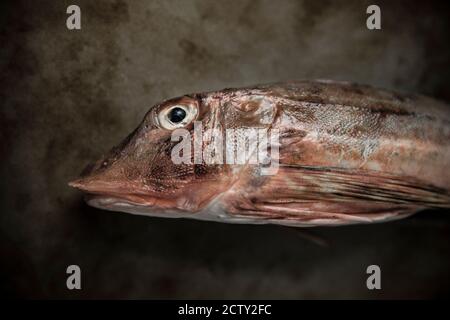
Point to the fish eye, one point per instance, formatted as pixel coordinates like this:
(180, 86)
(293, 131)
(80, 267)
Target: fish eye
(177, 116)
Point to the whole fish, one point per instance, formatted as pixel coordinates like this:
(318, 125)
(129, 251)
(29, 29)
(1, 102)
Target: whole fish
(345, 153)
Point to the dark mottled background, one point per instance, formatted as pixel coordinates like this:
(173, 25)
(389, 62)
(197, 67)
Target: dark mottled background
(68, 96)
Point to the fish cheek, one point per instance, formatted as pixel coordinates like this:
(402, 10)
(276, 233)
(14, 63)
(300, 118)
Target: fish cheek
(163, 175)
(189, 186)
(210, 181)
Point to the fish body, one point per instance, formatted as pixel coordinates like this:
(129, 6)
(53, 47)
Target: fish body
(344, 153)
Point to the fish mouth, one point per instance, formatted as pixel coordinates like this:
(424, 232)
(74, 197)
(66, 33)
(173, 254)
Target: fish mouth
(131, 198)
(111, 202)
(111, 196)
(123, 204)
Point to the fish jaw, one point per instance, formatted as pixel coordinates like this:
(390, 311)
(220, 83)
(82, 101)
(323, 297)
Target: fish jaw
(114, 195)
(149, 208)
(213, 212)
(131, 196)
(106, 197)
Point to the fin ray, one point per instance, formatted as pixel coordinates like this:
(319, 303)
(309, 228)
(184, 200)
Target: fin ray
(305, 195)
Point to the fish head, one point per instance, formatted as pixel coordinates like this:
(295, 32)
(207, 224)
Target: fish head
(141, 176)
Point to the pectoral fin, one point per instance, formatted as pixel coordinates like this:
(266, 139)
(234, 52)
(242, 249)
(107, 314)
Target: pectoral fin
(306, 195)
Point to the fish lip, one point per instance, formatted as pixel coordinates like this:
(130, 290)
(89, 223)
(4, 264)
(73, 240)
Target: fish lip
(93, 186)
(100, 191)
(109, 195)
(111, 202)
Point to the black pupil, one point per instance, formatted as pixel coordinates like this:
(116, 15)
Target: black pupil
(177, 115)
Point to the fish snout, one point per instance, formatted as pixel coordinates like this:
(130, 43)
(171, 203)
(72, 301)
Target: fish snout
(107, 175)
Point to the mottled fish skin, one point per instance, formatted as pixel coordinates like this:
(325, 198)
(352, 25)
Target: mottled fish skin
(348, 153)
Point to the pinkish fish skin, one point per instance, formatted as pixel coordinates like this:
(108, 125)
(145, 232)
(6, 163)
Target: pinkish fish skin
(348, 154)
